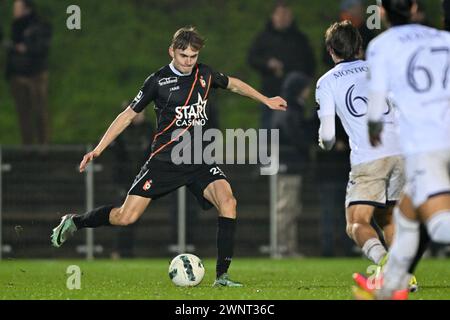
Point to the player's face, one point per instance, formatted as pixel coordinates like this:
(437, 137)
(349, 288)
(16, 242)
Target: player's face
(184, 60)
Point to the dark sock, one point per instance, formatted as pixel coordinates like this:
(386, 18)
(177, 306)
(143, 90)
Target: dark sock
(93, 219)
(225, 243)
(424, 240)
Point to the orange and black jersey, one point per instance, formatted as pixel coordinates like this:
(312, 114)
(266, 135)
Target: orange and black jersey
(180, 103)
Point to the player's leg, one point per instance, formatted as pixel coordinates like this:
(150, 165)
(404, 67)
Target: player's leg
(210, 187)
(383, 218)
(394, 188)
(219, 193)
(361, 231)
(367, 191)
(144, 188)
(394, 284)
(130, 211)
(403, 249)
(436, 215)
(431, 175)
(424, 241)
(428, 198)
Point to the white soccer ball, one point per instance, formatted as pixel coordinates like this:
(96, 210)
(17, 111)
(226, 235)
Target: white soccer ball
(186, 270)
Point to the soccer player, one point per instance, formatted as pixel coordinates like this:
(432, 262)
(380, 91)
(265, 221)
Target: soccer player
(180, 92)
(376, 178)
(411, 63)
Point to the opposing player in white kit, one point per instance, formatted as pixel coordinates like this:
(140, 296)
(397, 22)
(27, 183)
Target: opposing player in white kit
(376, 178)
(411, 64)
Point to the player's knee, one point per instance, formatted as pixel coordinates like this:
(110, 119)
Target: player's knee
(126, 217)
(349, 230)
(438, 227)
(358, 227)
(228, 207)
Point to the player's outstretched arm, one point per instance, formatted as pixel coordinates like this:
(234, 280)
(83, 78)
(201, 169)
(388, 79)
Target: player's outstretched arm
(122, 121)
(242, 88)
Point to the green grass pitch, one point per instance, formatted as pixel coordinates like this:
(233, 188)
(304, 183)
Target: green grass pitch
(291, 279)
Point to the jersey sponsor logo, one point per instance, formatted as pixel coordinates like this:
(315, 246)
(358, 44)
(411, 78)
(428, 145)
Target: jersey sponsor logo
(147, 185)
(166, 81)
(194, 114)
(174, 88)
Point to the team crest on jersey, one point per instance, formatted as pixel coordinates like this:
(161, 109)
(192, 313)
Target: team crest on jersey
(202, 82)
(147, 185)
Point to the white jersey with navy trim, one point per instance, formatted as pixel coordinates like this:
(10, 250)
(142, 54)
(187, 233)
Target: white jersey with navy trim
(343, 90)
(411, 65)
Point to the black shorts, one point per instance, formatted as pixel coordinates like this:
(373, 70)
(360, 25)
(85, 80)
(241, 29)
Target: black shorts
(158, 178)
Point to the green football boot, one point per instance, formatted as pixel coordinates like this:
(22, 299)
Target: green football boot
(225, 281)
(63, 231)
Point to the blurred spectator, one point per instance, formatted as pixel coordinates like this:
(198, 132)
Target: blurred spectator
(295, 131)
(131, 149)
(295, 142)
(27, 71)
(354, 11)
(278, 50)
(446, 6)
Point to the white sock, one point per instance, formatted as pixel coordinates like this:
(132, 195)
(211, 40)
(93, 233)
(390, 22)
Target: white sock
(401, 253)
(438, 227)
(374, 250)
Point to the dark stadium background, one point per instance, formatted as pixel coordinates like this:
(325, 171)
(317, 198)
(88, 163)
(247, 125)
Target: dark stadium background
(93, 70)
(121, 42)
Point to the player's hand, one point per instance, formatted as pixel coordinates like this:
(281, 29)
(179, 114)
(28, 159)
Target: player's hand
(375, 129)
(276, 103)
(321, 144)
(88, 157)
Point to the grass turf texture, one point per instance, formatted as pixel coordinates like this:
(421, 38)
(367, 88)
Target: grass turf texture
(289, 279)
